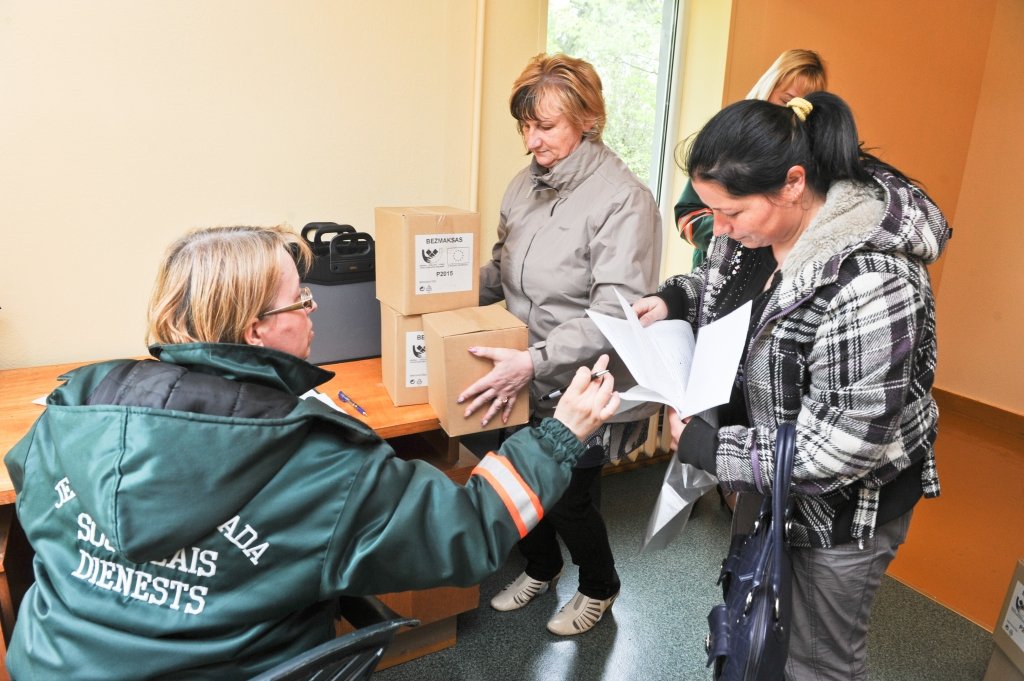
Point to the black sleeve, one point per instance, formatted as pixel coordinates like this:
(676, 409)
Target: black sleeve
(698, 445)
(675, 300)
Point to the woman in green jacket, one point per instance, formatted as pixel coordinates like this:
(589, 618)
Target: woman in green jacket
(193, 517)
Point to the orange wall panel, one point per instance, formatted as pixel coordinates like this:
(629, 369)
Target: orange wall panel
(934, 86)
(910, 70)
(980, 313)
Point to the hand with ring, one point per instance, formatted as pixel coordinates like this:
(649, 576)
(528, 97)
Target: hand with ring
(496, 392)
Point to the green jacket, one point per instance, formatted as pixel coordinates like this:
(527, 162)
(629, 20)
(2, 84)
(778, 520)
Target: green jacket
(174, 543)
(698, 228)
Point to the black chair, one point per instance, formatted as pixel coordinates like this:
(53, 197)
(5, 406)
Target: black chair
(352, 656)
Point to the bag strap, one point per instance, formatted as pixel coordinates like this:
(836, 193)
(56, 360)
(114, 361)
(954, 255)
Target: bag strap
(785, 452)
(773, 511)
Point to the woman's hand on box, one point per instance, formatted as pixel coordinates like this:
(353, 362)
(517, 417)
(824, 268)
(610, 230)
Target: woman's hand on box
(588, 402)
(497, 391)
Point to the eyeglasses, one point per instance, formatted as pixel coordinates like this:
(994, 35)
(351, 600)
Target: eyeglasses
(305, 303)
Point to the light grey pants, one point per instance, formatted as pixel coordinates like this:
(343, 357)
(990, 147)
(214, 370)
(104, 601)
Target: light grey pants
(833, 591)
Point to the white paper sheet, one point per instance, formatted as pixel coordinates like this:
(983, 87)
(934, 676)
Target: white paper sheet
(317, 395)
(715, 360)
(666, 363)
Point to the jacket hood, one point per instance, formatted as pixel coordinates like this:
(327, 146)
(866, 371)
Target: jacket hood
(155, 480)
(248, 363)
(891, 216)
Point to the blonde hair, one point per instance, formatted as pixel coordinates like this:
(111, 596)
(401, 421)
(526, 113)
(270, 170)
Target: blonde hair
(572, 83)
(214, 281)
(791, 65)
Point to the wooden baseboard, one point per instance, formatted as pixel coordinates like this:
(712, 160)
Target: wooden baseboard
(986, 414)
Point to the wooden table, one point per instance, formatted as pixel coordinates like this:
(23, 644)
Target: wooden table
(413, 431)
(18, 387)
(361, 380)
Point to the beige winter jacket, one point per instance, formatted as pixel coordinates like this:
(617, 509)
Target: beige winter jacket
(566, 238)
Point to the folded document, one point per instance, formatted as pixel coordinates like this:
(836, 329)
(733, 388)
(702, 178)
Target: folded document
(669, 366)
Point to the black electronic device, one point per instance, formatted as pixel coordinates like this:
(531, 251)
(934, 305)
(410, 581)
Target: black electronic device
(344, 284)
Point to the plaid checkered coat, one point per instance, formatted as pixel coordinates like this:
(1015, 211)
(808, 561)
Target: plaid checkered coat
(845, 349)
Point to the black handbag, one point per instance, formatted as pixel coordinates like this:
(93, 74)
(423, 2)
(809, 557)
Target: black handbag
(749, 633)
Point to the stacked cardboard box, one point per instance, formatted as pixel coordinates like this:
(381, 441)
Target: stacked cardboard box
(427, 258)
(426, 261)
(452, 368)
(403, 356)
(1007, 661)
(428, 286)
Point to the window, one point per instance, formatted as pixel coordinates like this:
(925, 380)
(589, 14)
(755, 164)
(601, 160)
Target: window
(631, 43)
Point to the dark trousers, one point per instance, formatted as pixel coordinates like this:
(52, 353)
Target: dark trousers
(577, 520)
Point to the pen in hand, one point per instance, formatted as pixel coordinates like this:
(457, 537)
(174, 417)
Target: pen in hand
(557, 392)
(345, 398)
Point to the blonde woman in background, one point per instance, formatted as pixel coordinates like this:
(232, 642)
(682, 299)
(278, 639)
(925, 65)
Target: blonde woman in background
(793, 74)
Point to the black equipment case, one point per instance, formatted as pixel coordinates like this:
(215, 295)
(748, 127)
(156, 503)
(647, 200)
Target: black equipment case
(343, 280)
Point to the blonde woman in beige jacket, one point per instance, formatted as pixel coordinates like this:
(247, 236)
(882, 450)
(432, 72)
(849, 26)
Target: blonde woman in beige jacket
(576, 224)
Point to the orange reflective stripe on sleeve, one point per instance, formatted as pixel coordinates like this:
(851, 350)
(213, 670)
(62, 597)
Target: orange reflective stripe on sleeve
(520, 500)
(686, 221)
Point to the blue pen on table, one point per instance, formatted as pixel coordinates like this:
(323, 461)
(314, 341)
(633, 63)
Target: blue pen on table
(557, 392)
(345, 398)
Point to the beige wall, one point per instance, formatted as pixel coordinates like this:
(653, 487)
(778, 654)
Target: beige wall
(705, 31)
(980, 314)
(123, 124)
(935, 89)
(515, 31)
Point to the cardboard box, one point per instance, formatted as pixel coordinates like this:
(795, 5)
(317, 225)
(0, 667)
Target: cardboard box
(427, 258)
(1001, 668)
(451, 369)
(1009, 631)
(403, 357)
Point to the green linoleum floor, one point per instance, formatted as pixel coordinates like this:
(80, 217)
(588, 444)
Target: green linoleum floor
(656, 630)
